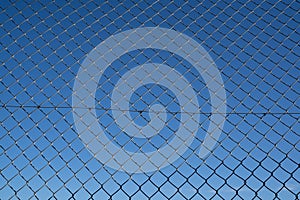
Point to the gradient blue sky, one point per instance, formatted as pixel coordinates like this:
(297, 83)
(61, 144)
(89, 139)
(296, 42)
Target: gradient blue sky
(255, 45)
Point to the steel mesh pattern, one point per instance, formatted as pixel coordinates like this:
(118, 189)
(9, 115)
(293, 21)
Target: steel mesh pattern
(253, 44)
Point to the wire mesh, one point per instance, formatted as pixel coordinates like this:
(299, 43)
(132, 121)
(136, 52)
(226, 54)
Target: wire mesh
(149, 99)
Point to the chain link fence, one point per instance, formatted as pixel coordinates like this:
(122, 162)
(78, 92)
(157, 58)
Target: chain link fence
(149, 99)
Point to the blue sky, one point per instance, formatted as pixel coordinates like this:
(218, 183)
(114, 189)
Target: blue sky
(255, 46)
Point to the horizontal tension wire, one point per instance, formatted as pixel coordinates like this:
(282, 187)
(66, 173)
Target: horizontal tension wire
(141, 111)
